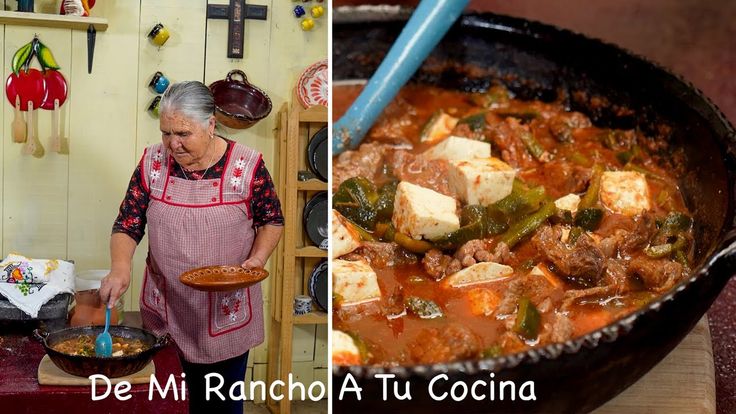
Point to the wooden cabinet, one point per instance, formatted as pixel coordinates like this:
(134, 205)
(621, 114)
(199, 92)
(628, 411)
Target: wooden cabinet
(296, 255)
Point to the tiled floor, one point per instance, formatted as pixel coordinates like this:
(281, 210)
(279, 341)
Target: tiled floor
(297, 407)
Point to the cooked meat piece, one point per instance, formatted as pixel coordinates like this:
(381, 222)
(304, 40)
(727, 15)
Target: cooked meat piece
(418, 170)
(568, 177)
(658, 275)
(436, 264)
(365, 162)
(642, 234)
(452, 343)
(616, 276)
(505, 135)
(475, 251)
(536, 288)
(381, 255)
(561, 329)
(512, 343)
(572, 296)
(583, 263)
(561, 126)
(394, 305)
(454, 267)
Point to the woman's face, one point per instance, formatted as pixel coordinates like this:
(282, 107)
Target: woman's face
(187, 139)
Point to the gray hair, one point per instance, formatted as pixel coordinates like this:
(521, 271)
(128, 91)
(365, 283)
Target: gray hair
(192, 99)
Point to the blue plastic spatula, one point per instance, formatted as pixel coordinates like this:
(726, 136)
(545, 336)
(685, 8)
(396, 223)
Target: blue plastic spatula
(103, 343)
(427, 25)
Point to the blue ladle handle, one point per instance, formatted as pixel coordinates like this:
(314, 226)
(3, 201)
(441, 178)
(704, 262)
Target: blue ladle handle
(426, 27)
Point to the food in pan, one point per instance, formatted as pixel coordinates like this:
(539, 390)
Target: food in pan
(471, 225)
(84, 345)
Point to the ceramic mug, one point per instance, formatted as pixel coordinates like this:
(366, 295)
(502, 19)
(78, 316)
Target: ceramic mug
(159, 82)
(25, 6)
(159, 34)
(153, 107)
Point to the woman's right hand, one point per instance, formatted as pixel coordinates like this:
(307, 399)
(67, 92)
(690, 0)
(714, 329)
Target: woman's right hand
(113, 286)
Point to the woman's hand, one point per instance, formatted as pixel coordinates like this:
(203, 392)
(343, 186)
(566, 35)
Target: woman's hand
(253, 262)
(113, 286)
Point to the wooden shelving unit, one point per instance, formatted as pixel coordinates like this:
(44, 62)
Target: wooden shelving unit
(296, 256)
(52, 20)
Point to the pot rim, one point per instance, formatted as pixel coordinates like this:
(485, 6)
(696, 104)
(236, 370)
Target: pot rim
(724, 249)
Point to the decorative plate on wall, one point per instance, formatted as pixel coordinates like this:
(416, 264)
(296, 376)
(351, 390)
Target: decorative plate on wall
(315, 219)
(312, 86)
(317, 156)
(318, 285)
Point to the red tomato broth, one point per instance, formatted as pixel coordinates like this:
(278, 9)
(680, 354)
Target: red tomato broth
(390, 340)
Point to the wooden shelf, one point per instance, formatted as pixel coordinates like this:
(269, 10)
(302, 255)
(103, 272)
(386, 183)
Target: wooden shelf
(313, 318)
(52, 20)
(317, 113)
(310, 251)
(296, 257)
(311, 185)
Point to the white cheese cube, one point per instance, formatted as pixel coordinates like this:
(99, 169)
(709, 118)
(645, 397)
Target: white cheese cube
(459, 148)
(479, 273)
(625, 192)
(482, 180)
(344, 349)
(355, 282)
(421, 212)
(345, 238)
(438, 127)
(569, 202)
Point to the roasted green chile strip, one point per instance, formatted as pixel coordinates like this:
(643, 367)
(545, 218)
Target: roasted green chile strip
(528, 224)
(531, 144)
(590, 198)
(527, 319)
(589, 218)
(385, 203)
(476, 122)
(472, 221)
(355, 199)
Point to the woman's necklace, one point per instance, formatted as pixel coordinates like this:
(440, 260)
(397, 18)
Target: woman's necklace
(209, 165)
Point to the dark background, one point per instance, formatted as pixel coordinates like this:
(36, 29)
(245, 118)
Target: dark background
(695, 39)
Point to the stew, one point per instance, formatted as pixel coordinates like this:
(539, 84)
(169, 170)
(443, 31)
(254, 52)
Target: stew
(472, 225)
(84, 345)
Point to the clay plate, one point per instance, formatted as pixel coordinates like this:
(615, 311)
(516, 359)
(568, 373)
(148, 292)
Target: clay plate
(222, 278)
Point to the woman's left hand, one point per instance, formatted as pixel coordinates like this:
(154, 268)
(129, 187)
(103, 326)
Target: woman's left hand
(253, 262)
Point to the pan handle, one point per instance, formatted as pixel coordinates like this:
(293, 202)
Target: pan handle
(161, 342)
(237, 72)
(40, 335)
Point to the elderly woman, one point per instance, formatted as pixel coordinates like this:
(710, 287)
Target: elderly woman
(207, 201)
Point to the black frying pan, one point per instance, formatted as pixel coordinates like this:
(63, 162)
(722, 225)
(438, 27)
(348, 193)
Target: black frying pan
(538, 61)
(112, 367)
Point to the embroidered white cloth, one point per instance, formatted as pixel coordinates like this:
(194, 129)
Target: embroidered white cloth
(30, 283)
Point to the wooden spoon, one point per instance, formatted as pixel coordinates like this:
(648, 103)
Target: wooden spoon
(55, 135)
(33, 145)
(18, 126)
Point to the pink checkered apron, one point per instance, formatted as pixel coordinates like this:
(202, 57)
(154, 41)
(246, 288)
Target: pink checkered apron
(193, 224)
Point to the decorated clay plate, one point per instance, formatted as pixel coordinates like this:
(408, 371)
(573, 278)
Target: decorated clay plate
(318, 285)
(312, 86)
(222, 278)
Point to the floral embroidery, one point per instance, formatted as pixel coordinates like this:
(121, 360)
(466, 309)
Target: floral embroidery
(236, 180)
(51, 265)
(231, 313)
(20, 273)
(156, 166)
(156, 296)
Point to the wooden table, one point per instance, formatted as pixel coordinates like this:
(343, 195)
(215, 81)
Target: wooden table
(20, 392)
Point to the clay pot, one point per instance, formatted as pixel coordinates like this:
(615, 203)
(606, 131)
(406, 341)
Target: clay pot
(238, 103)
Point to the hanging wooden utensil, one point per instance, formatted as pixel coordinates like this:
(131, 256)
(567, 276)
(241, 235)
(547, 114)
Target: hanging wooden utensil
(33, 145)
(55, 134)
(18, 126)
